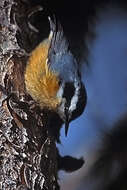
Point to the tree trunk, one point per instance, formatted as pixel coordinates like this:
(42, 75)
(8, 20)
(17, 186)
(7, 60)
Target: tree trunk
(27, 150)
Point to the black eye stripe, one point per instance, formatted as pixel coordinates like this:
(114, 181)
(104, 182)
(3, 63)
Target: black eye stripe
(69, 91)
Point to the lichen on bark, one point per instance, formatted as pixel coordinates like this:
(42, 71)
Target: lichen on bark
(27, 150)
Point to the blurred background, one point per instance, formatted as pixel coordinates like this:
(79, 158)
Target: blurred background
(105, 79)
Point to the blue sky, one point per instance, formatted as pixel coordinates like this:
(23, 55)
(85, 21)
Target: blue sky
(105, 79)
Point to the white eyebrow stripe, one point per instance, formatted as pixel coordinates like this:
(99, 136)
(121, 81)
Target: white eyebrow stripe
(75, 98)
(61, 91)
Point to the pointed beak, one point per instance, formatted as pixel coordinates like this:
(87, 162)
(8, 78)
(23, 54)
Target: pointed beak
(66, 128)
(66, 121)
(64, 114)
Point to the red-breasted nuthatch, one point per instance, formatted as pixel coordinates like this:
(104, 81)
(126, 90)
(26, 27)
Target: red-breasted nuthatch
(52, 77)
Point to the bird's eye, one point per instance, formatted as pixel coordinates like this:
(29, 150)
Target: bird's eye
(59, 82)
(69, 91)
(66, 110)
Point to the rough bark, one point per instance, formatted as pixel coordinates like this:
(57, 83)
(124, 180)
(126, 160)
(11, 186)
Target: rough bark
(27, 150)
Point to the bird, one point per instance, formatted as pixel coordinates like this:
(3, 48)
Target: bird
(53, 76)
